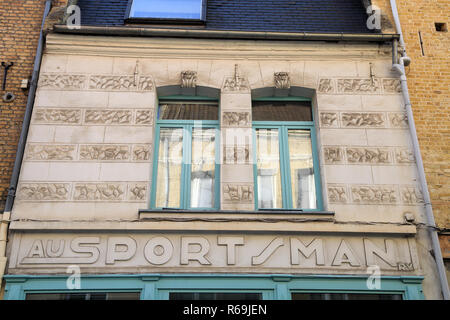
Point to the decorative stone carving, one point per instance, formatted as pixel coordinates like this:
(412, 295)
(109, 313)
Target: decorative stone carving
(356, 119)
(358, 85)
(104, 152)
(333, 155)
(50, 152)
(326, 86)
(62, 116)
(44, 191)
(141, 152)
(392, 86)
(236, 83)
(282, 80)
(62, 81)
(368, 155)
(398, 120)
(144, 117)
(107, 82)
(188, 79)
(328, 119)
(411, 195)
(236, 154)
(99, 191)
(108, 117)
(238, 193)
(236, 119)
(137, 192)
(337, 194)
(404, 155)
(145, 83)
(374, 194)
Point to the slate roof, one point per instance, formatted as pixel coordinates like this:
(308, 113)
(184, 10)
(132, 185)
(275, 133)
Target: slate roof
(346, 16)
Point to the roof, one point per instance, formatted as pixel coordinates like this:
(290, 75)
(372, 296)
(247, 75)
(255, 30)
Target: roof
(334, 16)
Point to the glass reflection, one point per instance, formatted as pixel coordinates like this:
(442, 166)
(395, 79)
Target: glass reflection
(268, 166)
(203, 168)
(169, 168)
(302, 170)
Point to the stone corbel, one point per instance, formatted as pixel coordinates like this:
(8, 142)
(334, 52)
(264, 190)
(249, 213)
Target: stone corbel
(282, 80)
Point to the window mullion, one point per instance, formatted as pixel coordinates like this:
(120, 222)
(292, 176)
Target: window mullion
(185, 187)
(285, 168)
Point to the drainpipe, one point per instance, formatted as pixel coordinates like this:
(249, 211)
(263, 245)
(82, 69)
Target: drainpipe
(5, 217)
(400, 67)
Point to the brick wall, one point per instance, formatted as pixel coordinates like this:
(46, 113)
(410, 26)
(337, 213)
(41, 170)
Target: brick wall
(20, 23)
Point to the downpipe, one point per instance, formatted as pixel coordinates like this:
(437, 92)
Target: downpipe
(403, 61)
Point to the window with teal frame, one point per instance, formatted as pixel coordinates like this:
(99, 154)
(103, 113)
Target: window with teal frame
(186, 158)
(286, 167)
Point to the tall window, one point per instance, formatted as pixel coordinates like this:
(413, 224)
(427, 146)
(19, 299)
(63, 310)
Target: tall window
(186, 166)
(286, 167)
(167, 9)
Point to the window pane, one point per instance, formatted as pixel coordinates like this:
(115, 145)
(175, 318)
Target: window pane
(345, 296)
(281, 111)
(188, 111)
(268, 166)
(170, 156)
(84, 296)
(167, 9)
(302, 170)
(214, 296)
(202, 169)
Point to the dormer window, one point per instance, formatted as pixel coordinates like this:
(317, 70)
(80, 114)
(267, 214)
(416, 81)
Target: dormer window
(167, 10)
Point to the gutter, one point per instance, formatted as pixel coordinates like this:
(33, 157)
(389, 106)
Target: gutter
(400, 67)
(131, 31)
(6, 216)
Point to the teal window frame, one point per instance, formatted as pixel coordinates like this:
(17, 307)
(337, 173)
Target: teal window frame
(186, 126)
(159, 286)
(286, 183)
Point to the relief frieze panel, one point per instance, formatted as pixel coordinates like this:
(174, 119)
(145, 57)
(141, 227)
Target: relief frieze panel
(57, 116)
(337, 193)
(108, 117)
(333, 155)
(49, 152)
(104, 152)
(374, 194)
(368, 155)
(237, 193)
(44, 191)
(62, 81)
(99, 191)
(236, 119)
(362, 120)
(358, 86)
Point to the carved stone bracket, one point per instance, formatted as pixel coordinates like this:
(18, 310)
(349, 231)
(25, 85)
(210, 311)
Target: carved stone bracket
(188, 79)
(282, 80)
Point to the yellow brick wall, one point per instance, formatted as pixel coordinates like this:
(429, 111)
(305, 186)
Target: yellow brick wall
(428, 83)
(20, 23)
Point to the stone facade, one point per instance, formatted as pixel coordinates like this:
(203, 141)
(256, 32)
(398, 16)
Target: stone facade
(87, 169)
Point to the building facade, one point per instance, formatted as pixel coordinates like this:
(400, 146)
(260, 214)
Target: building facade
(221, 155)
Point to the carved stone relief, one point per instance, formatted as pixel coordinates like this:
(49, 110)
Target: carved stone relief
(120, 83)
(146, 83)
(372, 194)
(236, 154)
(337, 194)
(404, 155)
(326, 86)
(44, 191)
(144, 117)
(141, 152)
(62, 81)
(333, 155)
(50, 152)
(368, 155)
(392, 86)
(108, 117)
(99, 191)
(104, 152)
(356, 119)
(358, 85)
(62, 116)
(236, 84)
(411, 195)
(329, 119)
(398, 120)
(236, 119)
(188, 79)
(137, 192)
(238, 193)
(282, 80)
